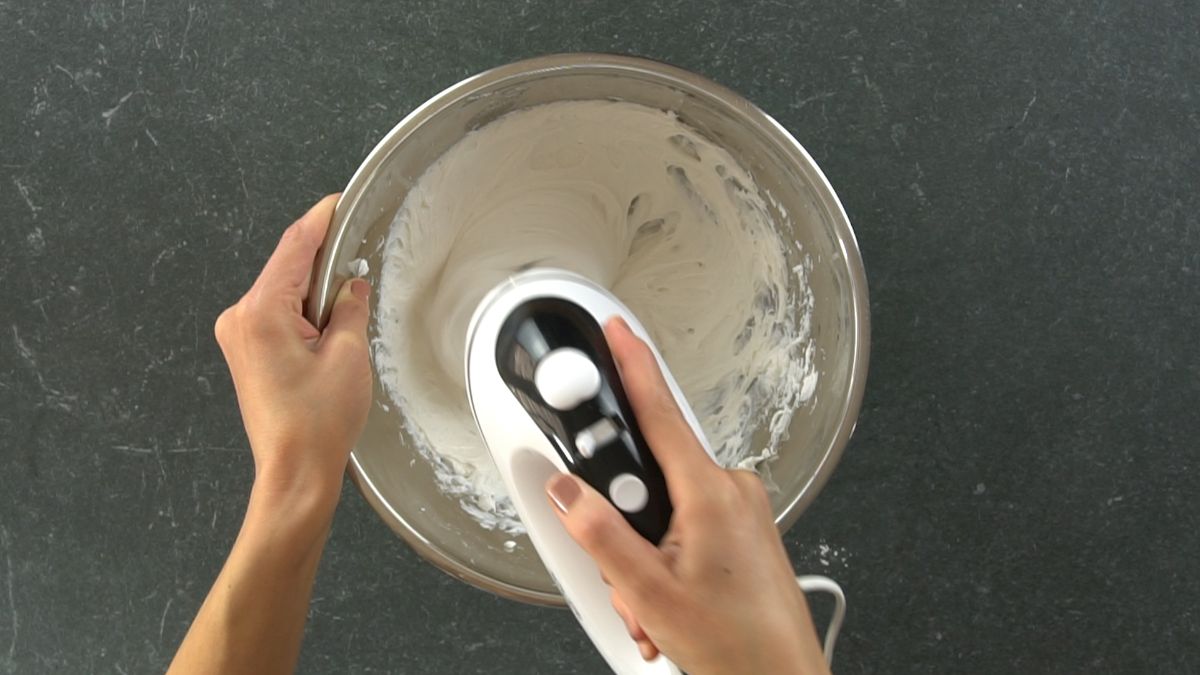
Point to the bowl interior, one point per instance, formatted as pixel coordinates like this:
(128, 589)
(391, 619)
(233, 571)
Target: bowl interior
(393, 475)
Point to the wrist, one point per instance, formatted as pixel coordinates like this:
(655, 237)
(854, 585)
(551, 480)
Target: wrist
(293, 503)
(296, 473)
(294, 526)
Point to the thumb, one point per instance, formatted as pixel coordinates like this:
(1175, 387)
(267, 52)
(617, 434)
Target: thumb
(347, 327)
(634, 566)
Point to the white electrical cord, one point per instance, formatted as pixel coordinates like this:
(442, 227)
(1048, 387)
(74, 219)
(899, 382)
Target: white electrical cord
(819, 584)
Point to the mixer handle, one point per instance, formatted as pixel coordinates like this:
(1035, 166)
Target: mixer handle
(553, 356)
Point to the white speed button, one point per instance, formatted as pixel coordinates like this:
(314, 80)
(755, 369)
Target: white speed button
(628, 492)
(566, 377)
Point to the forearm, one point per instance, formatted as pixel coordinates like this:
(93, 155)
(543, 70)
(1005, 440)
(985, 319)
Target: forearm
(253, 618)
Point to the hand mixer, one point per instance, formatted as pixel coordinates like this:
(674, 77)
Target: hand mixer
(547, 398)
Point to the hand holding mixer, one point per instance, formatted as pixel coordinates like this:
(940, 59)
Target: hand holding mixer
(547, 398)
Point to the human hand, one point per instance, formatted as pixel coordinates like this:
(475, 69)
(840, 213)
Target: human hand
(304, 393)
(304, 396)
(718, 595)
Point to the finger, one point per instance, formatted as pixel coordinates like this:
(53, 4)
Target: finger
(675, 446)
(347, 327)
(289, 268)
(635, 567)
(631, 623)
(646, 646)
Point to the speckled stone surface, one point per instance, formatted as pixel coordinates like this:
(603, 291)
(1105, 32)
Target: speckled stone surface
(1021, 493)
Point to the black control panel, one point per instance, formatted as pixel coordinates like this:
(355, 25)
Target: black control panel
(592, 425)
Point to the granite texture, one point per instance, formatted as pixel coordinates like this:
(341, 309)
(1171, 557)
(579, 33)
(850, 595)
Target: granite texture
(1021, 492)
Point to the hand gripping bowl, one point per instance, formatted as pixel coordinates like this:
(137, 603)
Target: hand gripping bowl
(389, 470)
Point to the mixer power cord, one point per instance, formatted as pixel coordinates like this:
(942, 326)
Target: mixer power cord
(814, 583)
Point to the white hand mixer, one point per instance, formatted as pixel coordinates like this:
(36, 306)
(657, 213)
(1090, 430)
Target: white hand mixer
(547, 397)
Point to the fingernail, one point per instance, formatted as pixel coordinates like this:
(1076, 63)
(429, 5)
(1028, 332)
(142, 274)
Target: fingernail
(563, 491)
(360, 288)
(336, 197)
(620, 322)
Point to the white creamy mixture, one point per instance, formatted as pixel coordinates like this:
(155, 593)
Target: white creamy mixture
(640, 203)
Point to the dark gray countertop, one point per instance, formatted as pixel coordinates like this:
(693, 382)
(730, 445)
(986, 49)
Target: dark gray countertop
(1020, 495)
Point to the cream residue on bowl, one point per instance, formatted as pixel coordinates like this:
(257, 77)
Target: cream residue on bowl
(632, 198)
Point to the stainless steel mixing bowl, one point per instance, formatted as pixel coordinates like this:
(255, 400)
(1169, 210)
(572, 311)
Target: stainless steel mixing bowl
(393, 476)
